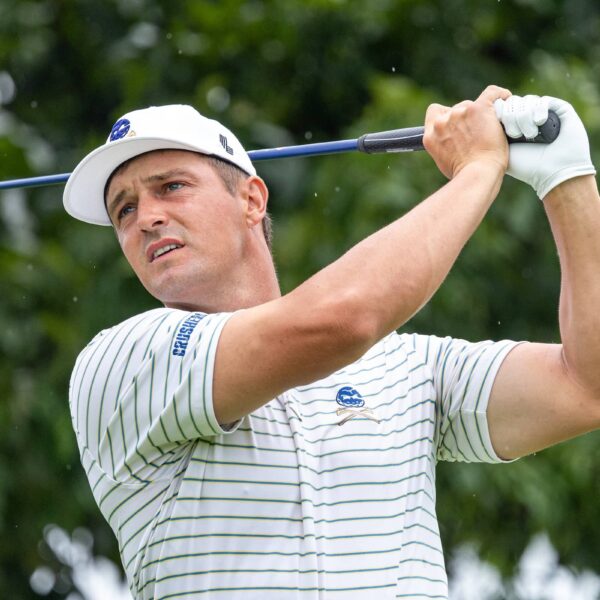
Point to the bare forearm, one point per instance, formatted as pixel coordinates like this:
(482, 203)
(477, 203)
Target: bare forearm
(573, 209)
(395, 271)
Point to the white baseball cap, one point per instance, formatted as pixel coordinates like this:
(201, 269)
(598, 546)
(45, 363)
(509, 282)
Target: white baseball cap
(172, 127)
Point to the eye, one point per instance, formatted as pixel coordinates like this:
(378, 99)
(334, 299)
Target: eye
(174, 186)
(124, 211)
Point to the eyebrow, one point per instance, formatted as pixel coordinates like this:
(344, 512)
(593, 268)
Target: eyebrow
(114, 202)
(158, 177)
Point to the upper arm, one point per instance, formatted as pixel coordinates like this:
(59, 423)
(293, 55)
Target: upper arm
(270, 348)
(535, 402)
(142, 389)
(463, 374)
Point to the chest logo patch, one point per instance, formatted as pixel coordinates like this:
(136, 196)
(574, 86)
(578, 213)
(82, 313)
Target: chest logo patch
(351, 405)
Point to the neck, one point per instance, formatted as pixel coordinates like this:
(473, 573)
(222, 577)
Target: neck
(251, 286)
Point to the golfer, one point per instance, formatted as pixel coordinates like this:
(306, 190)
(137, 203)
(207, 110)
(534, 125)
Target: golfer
(245, 444)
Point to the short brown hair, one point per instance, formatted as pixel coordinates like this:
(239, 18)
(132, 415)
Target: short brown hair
(230, 175)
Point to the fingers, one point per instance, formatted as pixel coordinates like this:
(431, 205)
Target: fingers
(466, 132)
(560, 107)
(434, 112)
(521, 116)
(540, 110)
(492, 93)
(489, 95)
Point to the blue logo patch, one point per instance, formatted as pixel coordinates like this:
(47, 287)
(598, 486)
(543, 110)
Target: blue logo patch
(120, 129)
(349, 397)
(185, 331)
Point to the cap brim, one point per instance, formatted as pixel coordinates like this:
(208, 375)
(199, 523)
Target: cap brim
(83, 197)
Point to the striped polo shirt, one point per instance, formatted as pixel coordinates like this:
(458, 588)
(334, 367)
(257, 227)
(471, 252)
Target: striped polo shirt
(327, 491)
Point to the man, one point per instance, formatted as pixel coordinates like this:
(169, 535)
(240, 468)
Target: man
(244, 444)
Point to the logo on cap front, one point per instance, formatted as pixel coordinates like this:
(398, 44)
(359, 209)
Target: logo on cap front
(120, 129)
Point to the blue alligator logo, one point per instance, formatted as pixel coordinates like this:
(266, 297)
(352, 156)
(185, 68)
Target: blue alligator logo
(349, 397)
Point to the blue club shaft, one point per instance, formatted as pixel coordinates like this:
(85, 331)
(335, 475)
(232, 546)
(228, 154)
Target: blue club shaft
(34, 181)
(395, 140)
(255, 155)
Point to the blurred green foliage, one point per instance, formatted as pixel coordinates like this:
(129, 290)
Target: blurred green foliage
(277, 73)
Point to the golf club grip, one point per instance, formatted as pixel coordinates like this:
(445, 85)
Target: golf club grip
(411, 138)
(395, 140)
(547, 132)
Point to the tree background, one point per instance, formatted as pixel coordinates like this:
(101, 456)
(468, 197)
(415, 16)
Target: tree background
(277, 73)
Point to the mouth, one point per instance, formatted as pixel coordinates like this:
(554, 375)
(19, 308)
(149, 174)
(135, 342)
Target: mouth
(159, 249)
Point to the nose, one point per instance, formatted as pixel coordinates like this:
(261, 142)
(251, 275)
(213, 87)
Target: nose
(151, 212)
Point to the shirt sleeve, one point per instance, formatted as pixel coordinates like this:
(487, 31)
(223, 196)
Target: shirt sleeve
(141, 393)
(463, 376)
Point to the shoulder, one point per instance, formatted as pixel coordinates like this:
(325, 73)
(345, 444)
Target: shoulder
(418, 347)
(433, 348)
(136, 324)
(148, 330)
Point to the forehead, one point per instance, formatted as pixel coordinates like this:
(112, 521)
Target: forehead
(150, 163)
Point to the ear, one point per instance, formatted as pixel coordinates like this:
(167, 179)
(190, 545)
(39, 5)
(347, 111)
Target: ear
(257, 197)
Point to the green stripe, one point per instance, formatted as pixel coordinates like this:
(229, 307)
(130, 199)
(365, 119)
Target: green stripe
(341, 436)
(119, 405)
(150, 404)
(286, 536)
(88, 362)
(427, 562)
(294, 467)
(485, 377)
(316, 505)
(167, 401)
(448, 421)
(275, 588)
(286, 519)
(205, 480)
(139, 509)
(418, 543)
(172, 402)
(267, 554)
(469, 379)
(292, 571)
(208, 385)
(110, 370)
(294, 450)
(422, 577)
(296, 571)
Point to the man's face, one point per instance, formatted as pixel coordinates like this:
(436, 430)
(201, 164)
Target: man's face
(180, 229)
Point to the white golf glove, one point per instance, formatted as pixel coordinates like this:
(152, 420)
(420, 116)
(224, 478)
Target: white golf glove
(544, 166)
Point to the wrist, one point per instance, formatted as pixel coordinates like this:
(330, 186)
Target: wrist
(569, 183)
(483, 169)
(583, 187)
